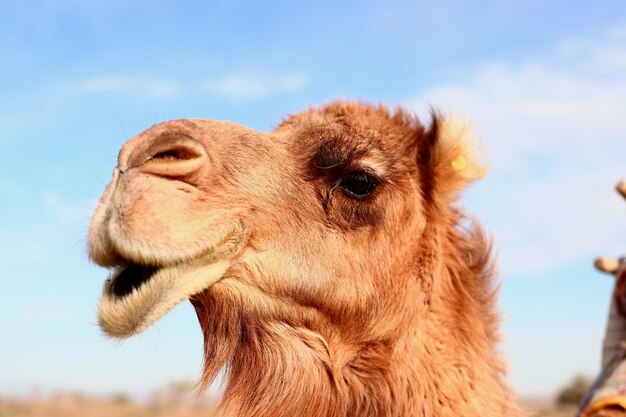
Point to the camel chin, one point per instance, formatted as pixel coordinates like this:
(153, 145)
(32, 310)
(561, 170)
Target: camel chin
(136, 294)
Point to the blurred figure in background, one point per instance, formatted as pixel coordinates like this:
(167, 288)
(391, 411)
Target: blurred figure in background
(607, 395)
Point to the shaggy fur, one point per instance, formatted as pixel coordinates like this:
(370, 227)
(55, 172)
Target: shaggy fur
(331, 303)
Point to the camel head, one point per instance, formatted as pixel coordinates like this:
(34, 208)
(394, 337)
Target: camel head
(328, 264)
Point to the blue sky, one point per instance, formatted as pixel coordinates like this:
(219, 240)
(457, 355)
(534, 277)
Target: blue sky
(543, 81)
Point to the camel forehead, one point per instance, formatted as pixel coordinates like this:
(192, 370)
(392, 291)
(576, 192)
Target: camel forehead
(362, 130)
(360, 124)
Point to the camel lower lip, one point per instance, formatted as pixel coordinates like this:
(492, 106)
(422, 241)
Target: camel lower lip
(138, 295)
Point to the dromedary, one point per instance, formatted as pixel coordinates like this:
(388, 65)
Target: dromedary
(331, 269)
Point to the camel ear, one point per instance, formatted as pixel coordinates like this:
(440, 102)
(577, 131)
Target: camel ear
(455, 159)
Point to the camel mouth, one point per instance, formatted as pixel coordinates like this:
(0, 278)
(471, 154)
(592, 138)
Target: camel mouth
(137, 294)
(130, 278)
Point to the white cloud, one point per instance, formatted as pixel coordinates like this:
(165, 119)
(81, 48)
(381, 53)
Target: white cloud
(555, 129)
(240, 86)
(102, 84)
(247, 86)
(151, 87)
(603, 54)
(617, 33)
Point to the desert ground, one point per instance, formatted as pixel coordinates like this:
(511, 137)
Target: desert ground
(77, 405)
(177, 399)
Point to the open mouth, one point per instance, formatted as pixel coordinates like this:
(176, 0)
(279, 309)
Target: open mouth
(136, 295)
(130, 278)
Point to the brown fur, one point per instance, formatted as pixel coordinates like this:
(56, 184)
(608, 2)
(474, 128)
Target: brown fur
(609, 412)
(331, 305)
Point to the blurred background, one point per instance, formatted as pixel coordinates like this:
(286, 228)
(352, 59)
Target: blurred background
(543, 81)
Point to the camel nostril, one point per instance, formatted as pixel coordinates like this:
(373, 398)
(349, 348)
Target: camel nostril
(177, 154)
(177, 157)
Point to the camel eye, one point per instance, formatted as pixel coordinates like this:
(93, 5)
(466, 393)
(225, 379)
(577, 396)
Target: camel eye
(359, 184)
